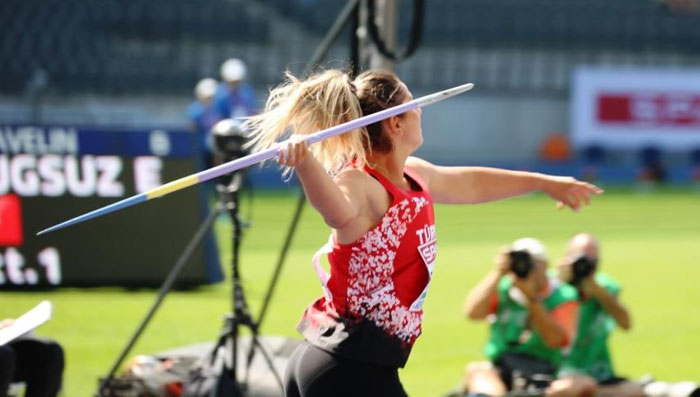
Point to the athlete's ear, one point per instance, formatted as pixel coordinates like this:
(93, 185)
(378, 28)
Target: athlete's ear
(393, 125)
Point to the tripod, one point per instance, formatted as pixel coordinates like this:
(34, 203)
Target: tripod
(240, 313)
(228, 202)
(240, 316)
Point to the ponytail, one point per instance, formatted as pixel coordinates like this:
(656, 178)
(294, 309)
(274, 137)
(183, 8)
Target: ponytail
(303, 107)
(324, 100)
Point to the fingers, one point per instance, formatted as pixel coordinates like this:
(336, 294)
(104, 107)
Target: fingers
(578, 195)
(568, 201)
(593, 188)
(292, 152)
(585, 198)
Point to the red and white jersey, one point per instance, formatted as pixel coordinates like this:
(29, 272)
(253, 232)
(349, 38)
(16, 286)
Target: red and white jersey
(373, 296)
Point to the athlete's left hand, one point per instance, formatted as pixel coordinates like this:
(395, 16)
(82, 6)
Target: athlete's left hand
(569, 192)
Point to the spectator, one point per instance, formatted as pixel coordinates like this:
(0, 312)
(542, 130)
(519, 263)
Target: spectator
(533, 316)
(203, 115)
(235, 98)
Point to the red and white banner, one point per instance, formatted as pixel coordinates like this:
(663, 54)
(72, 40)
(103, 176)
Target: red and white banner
(635, 107)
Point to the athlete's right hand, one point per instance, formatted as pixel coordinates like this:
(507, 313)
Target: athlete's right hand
(293, 151)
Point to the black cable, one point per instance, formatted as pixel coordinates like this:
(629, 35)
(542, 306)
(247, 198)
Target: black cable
(414, 37)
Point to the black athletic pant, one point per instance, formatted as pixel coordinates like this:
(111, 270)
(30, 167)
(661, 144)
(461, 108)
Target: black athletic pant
(36, 362)
(312, 372)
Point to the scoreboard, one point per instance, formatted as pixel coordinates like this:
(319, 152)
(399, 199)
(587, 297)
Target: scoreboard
(49, 174)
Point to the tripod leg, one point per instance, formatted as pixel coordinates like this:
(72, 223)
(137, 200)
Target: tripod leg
(255, 341)
(164, 289)
(278, 267)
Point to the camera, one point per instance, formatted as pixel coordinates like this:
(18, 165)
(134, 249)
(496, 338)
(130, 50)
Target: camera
(521, 263)
(582, 267)
(230, 139)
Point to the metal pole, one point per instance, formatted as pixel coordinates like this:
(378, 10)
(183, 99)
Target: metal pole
(387, 21)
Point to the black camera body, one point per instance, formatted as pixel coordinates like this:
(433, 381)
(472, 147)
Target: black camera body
(230, 143)
(521, 263)
(230, 140)
(582, 267)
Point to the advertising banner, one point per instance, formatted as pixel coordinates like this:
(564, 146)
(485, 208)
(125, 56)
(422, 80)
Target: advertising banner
(631, 108)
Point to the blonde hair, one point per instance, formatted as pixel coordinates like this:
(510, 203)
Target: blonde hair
(321, 101)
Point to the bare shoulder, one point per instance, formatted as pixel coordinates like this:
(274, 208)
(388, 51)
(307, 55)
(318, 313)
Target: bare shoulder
(360, 185)
(356, 183)
(352, 178)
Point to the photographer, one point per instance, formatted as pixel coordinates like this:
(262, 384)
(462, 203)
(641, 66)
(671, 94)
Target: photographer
(532, 318)
(600, 310)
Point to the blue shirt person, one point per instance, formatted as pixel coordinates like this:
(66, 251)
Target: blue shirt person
(203, 114)
(234, 97)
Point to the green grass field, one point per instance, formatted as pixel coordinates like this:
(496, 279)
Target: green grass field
(650, 243)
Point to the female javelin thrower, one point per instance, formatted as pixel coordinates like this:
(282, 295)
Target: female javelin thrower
(378, 202)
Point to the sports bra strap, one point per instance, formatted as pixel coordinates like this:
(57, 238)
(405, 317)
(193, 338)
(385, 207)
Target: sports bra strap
(390, 187)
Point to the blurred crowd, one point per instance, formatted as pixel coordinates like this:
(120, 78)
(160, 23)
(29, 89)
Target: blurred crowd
(232, 98)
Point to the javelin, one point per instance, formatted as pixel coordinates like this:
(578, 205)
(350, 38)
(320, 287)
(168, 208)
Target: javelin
(258, 157)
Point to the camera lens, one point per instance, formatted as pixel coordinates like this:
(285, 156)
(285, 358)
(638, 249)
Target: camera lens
(582, 267)
(521, 263)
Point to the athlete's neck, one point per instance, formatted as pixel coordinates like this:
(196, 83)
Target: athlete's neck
(391, 167)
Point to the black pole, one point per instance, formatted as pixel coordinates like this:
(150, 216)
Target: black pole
(350, 10)
(238, 304)
(355, 42)
(164, 289)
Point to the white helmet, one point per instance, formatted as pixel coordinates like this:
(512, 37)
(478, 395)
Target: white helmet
(532, 246)
(233, 70)
(205, 88)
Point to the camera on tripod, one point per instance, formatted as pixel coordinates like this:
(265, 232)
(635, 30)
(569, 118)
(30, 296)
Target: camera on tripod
(230, 139)
(582, 266)
(230, 143)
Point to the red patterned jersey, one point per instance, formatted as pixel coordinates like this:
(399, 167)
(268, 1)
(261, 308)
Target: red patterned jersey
(372, 304)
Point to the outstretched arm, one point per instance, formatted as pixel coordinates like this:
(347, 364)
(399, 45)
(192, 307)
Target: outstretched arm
(469, 185)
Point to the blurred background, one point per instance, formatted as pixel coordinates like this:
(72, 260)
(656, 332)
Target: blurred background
(103, 99)
(136, 63)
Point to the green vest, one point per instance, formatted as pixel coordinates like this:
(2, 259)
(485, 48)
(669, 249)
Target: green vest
(589, 353)
(511, 332)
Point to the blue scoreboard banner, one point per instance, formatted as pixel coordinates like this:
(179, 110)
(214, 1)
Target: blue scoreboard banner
(52, 173)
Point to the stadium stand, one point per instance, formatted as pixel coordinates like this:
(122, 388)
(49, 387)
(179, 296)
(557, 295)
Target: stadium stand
(112, 47)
